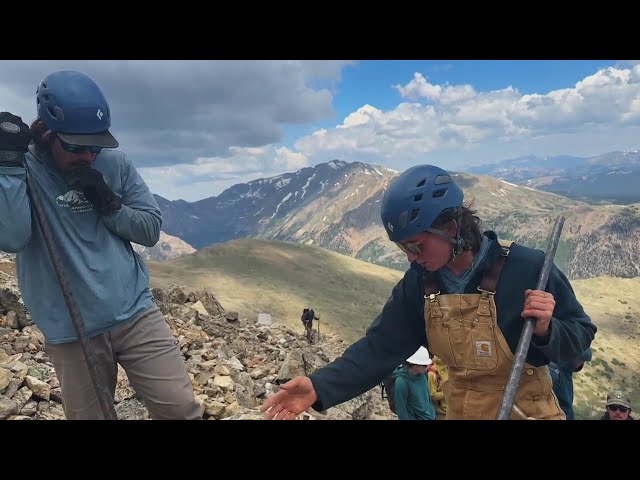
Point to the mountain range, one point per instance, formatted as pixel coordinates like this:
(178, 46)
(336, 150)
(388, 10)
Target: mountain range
(336, 205)
(608, 178)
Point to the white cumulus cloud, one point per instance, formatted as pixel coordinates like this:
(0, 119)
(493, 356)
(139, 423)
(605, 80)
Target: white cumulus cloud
(435, 119)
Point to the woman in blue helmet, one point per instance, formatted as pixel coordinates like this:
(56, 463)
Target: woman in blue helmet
(96, 204)
(465, 296)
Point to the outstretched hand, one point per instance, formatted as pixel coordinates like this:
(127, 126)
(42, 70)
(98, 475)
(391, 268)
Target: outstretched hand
(294, 397)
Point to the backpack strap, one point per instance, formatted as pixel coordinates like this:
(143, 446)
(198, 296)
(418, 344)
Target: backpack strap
(492, 274)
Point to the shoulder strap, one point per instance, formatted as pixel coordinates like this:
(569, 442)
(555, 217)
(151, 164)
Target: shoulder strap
(492, 274)
(430, 285)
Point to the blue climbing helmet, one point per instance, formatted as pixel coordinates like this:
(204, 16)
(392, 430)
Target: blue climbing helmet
(415, 199)
(72, 105)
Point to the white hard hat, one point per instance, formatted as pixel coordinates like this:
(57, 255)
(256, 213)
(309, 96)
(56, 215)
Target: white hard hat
(421, 357)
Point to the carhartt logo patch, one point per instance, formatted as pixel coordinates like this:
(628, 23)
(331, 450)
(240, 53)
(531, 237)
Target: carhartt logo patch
(483, 348)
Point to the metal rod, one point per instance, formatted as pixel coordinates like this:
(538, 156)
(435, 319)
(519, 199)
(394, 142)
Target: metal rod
(104, 398)
(522, 349)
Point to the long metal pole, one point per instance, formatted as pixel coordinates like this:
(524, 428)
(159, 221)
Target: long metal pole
(104, 398)
(525, 338)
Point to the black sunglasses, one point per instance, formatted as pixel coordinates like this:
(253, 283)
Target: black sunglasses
(414, 248)
(615, 408)
(78, 148)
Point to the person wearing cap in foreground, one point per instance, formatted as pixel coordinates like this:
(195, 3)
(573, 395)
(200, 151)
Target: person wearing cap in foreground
(465, 296)
(96, 204)
(411, 389)
(618, 407)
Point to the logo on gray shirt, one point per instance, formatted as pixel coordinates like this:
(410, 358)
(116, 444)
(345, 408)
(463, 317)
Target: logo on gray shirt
(74, 200)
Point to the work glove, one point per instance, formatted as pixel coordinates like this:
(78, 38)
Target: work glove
(14, 140)
(91, 182)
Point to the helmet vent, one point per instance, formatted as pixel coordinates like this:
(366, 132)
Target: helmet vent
(402, 219)
(417, 198)
(57, 113)
(414, 214)
(439, 193)
(440, 179)
(421, 183)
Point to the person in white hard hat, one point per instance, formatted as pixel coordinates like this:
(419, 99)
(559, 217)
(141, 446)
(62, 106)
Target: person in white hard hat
(411, 388)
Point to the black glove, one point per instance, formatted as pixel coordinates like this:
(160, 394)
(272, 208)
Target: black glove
(91, 182)
(14, 140)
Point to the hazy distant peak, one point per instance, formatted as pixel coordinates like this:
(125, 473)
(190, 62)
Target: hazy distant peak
(167, 248)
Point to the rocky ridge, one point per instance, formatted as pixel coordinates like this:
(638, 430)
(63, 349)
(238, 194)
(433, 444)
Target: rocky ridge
(233, 363)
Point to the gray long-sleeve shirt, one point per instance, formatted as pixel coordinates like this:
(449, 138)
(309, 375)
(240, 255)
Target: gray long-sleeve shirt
(108, 280)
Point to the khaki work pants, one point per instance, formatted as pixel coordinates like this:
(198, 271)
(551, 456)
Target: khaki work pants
(149, 354)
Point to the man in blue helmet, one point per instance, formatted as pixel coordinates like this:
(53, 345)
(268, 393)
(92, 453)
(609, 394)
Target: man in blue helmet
(465, 296)
(96, 204)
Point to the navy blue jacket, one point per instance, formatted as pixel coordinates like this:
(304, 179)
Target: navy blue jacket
(399, 330)
(562, 377)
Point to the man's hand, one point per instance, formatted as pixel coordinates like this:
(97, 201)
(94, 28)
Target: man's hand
(539, 305)
(91, 182)
(14, 140)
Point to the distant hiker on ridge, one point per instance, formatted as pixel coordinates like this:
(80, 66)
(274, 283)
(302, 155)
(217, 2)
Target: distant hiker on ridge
(465, 296)
(96, 204)
(308, 316)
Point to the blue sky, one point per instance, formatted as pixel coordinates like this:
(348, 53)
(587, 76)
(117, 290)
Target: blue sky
(195, 128)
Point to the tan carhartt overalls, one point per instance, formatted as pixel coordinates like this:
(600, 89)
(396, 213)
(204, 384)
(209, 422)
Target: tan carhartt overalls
(462, 330)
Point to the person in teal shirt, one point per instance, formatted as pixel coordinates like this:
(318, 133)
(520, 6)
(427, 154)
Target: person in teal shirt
(411, 388)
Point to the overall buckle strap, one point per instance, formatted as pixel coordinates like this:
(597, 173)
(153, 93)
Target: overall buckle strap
(431, 292)
(492, 274)
(430, 286)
